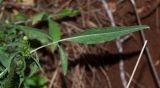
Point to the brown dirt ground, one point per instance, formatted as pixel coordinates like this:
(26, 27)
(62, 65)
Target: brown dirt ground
(96, 66)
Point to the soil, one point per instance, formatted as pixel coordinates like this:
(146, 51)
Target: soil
(97, 66)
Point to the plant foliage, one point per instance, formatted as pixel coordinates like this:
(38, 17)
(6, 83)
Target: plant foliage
(17, 56)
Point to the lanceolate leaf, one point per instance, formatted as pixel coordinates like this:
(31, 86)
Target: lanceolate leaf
(100, 35)
(64, 61)
(38, 17)
(37, 63)
(34, 33)
(67, 12)
(54, 30)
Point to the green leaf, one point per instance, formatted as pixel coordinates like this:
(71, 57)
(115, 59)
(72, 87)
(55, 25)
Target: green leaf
(42, 81)
(37, 63)
(101, 35)
(33, 69)
(34, 33)
(3, 72)
(64, 60)
(38, 17)
(20, 17)
(30, 82)
(4, 59)
(67, 12)
(36, 80)
(54, 30)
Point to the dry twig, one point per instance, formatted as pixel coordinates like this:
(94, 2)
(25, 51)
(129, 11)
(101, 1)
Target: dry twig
(135, 68)
(134, 81)
(53, 78)
(118, 44)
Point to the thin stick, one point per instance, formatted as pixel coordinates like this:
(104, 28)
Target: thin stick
(109, 12)
(53, 78)
(139, 85)
(135, 68)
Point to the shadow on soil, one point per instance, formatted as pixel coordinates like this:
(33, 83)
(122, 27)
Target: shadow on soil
(102, 59)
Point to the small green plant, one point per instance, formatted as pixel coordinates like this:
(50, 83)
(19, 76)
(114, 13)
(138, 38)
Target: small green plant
(18, 57)
(15, 58)
(36, 81)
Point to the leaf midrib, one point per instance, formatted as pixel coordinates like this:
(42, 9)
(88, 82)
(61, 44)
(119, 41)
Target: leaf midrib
(74, 37)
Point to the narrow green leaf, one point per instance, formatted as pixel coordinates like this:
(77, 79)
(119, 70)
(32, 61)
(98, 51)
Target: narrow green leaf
(54, 30)
(67, 12)
(38, 64)
(34, 33)
(38, 17)
(3, 72)
(64, 61)
(101, 35)
(33, 70)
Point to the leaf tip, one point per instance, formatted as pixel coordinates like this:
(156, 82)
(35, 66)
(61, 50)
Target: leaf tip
(65, 73)
(145, 26)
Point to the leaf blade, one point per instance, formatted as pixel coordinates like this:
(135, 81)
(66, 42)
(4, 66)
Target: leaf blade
(54, 30)
(38, 17)
(4, 58)
(34, 33)
(64, 60)
(68, 12)
(101, 35)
